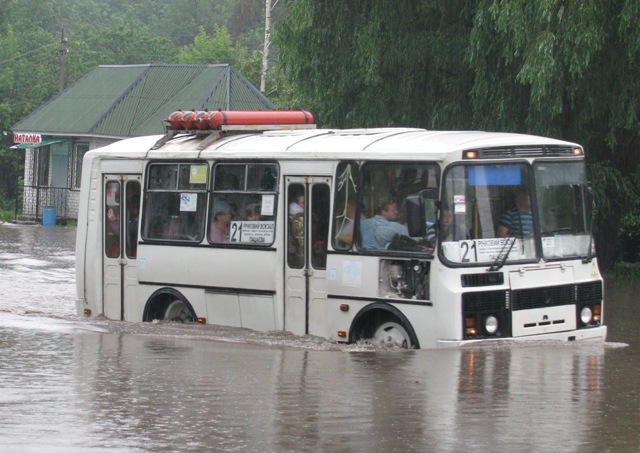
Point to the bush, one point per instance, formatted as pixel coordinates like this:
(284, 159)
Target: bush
(622, 270)
(7, 216)
(629, 238)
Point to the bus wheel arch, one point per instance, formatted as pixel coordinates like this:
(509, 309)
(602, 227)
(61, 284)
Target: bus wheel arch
(381, 322)
(167, 304)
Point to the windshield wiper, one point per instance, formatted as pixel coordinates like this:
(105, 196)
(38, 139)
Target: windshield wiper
(589, 256)
(502, 257)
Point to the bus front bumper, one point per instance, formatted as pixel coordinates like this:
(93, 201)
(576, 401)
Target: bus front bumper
(593, 334)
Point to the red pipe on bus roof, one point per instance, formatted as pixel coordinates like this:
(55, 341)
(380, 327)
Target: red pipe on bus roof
(214, 120)
(241, 118)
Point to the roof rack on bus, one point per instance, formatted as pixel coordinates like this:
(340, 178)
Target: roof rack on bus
(218, 124)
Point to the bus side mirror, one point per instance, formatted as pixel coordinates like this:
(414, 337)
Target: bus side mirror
(415, 215)
(588, 193)
(420, 209)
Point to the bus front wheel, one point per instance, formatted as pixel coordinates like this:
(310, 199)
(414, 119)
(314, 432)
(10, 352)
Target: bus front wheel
(393, 334)
(381, 324)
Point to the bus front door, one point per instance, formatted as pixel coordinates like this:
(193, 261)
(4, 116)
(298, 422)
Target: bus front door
(121, 213)
(307, 227)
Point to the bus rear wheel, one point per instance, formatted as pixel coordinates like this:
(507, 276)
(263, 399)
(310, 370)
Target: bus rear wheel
(392, 333)
(178, 311)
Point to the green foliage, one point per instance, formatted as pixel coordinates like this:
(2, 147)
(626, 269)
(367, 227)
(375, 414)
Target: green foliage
(378, 63)
(629, 236)
(623, 271)
(7, 216)
(104, 32)
(220, 48)
(561, 68)
(209, 49)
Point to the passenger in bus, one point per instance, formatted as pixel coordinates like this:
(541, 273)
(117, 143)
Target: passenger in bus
(378, 231)
(297, 204)
(517, 222)
(133, 213)
(112, 232)
(220, 227)
(252, 212)
(296, 229)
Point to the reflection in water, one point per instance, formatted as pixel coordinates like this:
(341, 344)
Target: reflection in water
(538, 398)
(131, 392)
(75, 385)
(37, 270)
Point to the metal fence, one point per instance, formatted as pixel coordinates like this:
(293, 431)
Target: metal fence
(36, 198)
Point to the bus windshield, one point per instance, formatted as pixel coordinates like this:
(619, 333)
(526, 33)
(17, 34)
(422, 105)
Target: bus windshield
(492, 213)
(564, 208)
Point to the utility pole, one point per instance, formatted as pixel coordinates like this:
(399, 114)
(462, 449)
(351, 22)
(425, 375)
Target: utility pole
(267, 44)
(61, 53)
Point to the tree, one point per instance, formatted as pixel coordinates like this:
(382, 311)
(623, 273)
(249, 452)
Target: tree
(218, 49)
(562, 68)
(266, 47)
(379, 63)
(566, 69)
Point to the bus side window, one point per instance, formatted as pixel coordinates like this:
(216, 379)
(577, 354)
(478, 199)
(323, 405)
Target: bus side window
(243, 197)
(386, 187)
(346, 200)
(112, 219)
(296, 231)
(175, 202)
(320, 195)
(133, 215)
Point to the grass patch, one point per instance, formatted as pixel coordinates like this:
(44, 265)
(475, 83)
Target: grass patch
(7, 216)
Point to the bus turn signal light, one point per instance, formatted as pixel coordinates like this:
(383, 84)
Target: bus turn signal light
(87, 312)
(202, 320)
(470, 327)
(344, 307)
(342, 334)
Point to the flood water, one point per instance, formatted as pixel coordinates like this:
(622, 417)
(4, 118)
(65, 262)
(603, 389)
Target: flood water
(73, 385)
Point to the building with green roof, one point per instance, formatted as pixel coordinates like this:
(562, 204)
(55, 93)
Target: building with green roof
(109, 104)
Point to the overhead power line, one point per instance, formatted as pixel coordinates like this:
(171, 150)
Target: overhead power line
(28, 53)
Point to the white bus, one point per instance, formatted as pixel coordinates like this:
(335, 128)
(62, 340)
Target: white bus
(411, 237)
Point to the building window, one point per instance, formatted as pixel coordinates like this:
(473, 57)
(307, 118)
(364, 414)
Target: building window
(79, 150)
(40, 176)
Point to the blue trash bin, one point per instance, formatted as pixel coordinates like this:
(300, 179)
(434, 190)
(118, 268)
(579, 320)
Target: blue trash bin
(49, 216)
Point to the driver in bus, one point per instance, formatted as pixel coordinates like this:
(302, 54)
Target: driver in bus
(378, 231)
(517, 222)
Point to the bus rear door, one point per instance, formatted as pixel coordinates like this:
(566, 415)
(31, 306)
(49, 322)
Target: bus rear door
(121, 213)
(307, 226)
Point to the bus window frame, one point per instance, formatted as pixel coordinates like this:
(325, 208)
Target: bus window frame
(237, 212)
(172, 225)
(431, 168)
(528, 180)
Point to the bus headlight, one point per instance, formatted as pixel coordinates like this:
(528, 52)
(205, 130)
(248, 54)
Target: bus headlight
(586, 315)
(491, 324)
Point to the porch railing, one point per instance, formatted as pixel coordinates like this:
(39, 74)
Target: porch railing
(35, 198)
